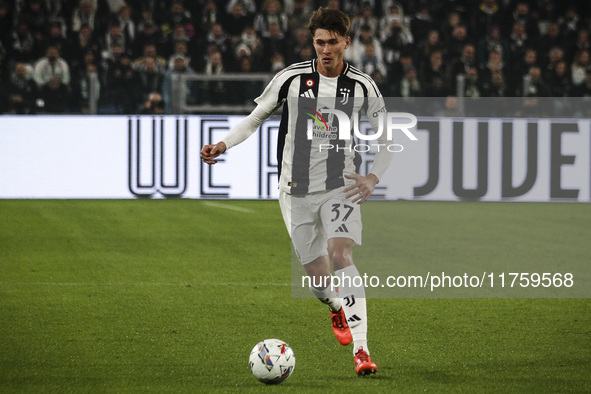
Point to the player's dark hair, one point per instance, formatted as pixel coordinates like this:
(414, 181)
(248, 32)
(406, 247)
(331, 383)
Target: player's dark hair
(330, 19)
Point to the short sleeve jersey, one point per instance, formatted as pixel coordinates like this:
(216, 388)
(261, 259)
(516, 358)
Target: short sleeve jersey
(305, 167)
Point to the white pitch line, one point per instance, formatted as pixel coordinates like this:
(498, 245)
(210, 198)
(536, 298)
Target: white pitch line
(225, 206)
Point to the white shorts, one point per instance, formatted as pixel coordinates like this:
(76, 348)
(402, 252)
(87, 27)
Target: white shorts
(313, 219)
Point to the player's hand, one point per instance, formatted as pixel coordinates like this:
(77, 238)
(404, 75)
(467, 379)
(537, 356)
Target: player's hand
(363, 187)
(210, 152)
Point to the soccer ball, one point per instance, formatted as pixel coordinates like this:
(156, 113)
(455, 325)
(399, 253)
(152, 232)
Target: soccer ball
(272, 361)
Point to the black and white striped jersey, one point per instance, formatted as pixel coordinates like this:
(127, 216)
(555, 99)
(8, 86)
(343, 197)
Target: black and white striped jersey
(304, 166)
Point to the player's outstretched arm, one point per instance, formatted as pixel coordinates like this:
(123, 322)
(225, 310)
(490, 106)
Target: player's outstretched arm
(210, 152)
(244, 129)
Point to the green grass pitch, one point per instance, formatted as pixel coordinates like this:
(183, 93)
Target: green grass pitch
(171, 296)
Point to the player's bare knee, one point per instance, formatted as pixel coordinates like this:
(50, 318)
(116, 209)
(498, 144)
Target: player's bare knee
(341, 258)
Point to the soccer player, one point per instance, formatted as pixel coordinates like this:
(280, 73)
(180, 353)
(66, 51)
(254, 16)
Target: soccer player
(320, 190)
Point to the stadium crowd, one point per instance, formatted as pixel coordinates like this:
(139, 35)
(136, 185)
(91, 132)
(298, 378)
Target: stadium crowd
(53, 51)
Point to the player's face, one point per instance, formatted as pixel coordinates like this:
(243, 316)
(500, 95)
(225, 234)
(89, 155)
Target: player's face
(330, 50)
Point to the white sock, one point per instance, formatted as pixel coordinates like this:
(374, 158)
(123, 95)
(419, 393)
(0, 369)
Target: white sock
(354, 305)
(328, 297)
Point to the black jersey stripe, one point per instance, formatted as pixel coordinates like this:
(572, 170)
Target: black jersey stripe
(355, 71)
(300, 175)
(283, 126)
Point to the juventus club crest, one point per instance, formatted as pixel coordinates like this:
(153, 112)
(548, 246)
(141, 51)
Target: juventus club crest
(345, 95)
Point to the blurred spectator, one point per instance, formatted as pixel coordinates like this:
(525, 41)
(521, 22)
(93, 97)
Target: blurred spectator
(150, 76)
(421, 24)
(570, 23)
(434, 77)
(535, 86)
(410, 85)
(54, 8)
(355, 7)
(495, 86)
(82, 42)
(150, 51)
(110, 62)
(34, 15)
(357, 49)
(86, 14)
(6, 23)
(23, 47)
(555, 56)
(274, 42)
(584, 89)
(522, 15)
(218, 39)
(146, 16)
(55, 96)
(56, 37)
(397, 70)
(427, 47)
(79, 70)
(452, 21)
(243, 91)
(581, 44)
(486, 16)
(552, 38)
(122, 87)
(249, 6)
(51, 65)
(22, 91)
(86, 87)
(492, 42)
(494, 65)
(4, 66)
(306, 53)
(559, 81)
(301, 39)
(580, 66)
(214, 92)
(154, 104)
(300, 15)
(127, 24)
(271, 13)
(365, 18)
(210, 16)
(179, 34)
(373, 65)
(113, 5)
(180, 48)
(466, 61)
(178, 15)
(472, 86)
(148, 34)
(459, 39)
(113, 37)
(395, 33)
(450, 107)
(546, 11)
(180, 67)
(251, 45)
(236, 21)
(443, 9)
(518, 42)
(277, 63)
(521, 68)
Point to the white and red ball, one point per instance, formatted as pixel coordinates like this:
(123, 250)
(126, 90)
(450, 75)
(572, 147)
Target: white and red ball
(272, 361)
